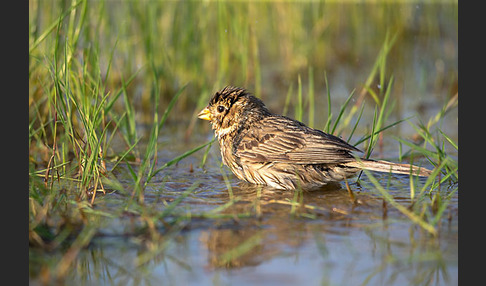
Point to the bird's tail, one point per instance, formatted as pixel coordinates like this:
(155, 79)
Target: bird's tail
(387, 167)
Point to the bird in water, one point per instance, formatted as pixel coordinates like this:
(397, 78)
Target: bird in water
(264, 148)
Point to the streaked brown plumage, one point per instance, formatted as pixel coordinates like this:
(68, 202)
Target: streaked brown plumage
(269, 149)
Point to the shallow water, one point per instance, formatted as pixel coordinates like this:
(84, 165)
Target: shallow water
(261, 239)
(282, 252)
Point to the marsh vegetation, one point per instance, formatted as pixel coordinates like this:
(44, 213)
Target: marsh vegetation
(126, 186)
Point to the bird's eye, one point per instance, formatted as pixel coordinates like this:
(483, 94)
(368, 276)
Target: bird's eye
(220, 108)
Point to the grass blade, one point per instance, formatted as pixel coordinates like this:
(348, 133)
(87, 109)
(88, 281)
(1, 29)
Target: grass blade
(412, 216)
(178, 158)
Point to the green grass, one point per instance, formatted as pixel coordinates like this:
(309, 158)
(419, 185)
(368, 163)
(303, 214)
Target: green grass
(102, 89)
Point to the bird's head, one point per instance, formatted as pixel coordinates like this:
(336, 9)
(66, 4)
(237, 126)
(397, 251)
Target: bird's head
(231, 107)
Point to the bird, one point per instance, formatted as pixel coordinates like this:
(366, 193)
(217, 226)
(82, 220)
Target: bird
(264, 148)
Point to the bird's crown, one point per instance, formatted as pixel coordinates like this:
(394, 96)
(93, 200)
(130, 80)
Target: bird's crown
(229, 95)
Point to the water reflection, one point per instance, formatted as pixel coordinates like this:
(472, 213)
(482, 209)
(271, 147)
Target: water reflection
(356, 247)
(320, 237)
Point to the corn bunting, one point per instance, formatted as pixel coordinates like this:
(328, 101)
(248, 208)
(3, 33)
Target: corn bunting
(264, 148)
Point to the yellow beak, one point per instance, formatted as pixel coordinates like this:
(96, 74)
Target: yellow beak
(204, 114)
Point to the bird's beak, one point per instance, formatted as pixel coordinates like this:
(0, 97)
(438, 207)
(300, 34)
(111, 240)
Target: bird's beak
(204, 114)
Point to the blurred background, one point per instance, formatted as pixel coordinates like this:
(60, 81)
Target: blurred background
(263, 46)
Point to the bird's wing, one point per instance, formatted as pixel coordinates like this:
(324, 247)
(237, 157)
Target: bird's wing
(281, 139)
